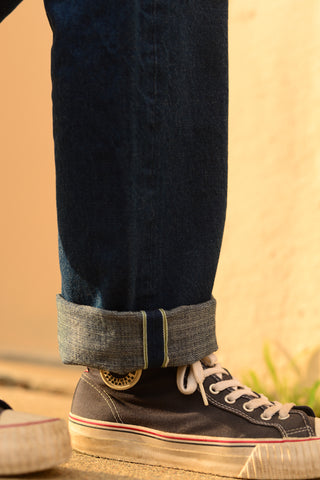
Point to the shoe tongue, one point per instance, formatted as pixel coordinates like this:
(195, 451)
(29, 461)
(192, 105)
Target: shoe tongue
(4, 406)
(219, 377)
(226, 375)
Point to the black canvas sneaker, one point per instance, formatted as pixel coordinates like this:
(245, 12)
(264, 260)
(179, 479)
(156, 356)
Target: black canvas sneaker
(196, 418)
(30, 443)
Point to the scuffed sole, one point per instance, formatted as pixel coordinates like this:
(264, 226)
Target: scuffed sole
(277, 459)
(32, 446)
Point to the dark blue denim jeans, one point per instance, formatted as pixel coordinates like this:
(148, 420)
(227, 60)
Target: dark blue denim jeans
(140, 117)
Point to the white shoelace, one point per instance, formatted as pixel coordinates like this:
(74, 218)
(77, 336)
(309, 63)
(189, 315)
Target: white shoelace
(197, 374)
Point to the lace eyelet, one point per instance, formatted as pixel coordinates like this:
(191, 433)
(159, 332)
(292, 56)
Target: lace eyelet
(284, 418)
(213, 390)
(246, 408)
(227, 400)
(265, 417)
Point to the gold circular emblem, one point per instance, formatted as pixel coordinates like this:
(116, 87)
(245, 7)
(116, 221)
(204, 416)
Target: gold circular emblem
(120, 382)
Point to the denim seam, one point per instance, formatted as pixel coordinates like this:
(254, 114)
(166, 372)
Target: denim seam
(145, 339)
(165, 338)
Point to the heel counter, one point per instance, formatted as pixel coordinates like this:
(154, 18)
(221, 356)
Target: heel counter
(90, 401)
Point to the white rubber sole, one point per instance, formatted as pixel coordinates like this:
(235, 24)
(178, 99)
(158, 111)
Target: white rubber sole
(279, 459)
(32, 446)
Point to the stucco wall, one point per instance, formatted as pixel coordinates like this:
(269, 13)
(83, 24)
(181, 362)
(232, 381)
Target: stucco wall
(269, 278)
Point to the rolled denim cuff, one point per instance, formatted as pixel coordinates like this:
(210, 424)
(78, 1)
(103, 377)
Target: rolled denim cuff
(126, 341)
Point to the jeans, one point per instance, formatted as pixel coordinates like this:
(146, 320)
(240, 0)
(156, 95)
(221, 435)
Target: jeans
(140, 119)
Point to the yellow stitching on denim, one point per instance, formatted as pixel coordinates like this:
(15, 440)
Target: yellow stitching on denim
(165, 338)
(145, 339)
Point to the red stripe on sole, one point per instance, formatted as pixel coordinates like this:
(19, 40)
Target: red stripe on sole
(186, 439)
(26, 424)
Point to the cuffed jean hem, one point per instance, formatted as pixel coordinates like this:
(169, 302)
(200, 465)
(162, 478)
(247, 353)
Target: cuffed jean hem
(126, 341)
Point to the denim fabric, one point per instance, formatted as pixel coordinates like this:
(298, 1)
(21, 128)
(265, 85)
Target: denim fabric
(140, 124)
(140, 112)
(124, 341)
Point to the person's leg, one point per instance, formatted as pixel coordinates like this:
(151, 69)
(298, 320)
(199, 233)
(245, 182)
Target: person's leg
(140, 102)
(140, 97)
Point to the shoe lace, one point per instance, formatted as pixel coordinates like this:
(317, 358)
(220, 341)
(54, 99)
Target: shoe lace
(197, 374)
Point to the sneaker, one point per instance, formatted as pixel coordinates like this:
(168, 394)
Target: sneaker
(196, 418)
(30, 443)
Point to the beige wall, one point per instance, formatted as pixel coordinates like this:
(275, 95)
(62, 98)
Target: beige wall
(268, 285)
(29, 275)
(268, 281)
